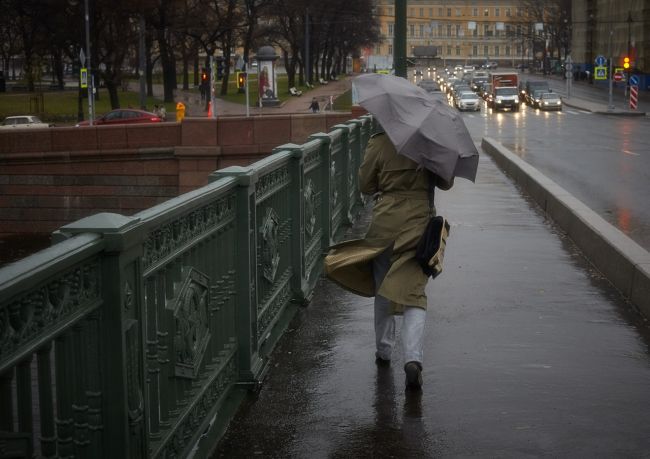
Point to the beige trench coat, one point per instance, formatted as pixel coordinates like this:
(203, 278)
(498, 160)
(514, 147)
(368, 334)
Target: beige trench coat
(400, 214)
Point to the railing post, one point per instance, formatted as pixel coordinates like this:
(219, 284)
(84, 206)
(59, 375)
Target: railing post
(251, 365)
(122, 387)
(346, 172)
(299, 283)
(327, 172)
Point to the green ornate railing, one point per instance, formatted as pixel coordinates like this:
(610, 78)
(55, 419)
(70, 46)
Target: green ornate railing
(132, 337)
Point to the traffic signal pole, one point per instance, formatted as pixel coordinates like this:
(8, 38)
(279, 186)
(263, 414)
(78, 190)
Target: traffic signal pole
(399, 40)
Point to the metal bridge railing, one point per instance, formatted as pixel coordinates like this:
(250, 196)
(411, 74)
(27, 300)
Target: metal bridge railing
(131, 334)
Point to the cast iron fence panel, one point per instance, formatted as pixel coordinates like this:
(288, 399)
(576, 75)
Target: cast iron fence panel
(125, 338)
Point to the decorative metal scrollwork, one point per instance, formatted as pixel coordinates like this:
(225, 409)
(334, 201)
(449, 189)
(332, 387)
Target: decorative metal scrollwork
(335, 191)
(310, 207)
(270, 244)
(192, 332)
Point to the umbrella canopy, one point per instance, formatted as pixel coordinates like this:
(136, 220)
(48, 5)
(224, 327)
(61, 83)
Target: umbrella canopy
(422, 128)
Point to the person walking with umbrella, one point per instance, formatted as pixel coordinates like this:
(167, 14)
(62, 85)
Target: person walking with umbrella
(383, 263)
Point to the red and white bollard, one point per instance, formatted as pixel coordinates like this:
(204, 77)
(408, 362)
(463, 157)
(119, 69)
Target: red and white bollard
(634, 96)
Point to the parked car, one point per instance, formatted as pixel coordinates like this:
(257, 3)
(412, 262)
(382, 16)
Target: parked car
(550, 101)
(23, 122)
(124, 116)
(490, 65)
(468, 100)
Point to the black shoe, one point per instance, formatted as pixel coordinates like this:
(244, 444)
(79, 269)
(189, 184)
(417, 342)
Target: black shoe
(382, 362)
(413, 372)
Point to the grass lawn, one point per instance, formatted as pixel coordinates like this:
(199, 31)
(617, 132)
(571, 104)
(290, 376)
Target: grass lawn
(60, 107)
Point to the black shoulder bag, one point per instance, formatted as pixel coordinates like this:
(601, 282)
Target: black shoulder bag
(430, 250)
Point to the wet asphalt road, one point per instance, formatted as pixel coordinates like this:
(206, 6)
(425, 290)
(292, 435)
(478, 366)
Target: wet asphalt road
(603, 161)
(529, 353)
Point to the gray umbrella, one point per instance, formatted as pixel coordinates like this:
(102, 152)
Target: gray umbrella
(422, 128)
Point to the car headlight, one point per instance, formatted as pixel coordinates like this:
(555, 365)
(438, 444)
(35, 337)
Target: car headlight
(499, 100)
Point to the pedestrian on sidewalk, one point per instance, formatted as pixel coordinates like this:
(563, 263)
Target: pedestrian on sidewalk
(402, 208)
(314, 106)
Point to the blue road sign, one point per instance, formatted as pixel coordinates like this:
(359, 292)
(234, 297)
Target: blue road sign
(600, 61)
(634, 80)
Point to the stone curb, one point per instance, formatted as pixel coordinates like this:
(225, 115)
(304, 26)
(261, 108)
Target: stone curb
(571, 104)
(621, 260)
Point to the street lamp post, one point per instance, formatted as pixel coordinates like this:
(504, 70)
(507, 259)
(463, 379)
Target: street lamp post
(610, 105)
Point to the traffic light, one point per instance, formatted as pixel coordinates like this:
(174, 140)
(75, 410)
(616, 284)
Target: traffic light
(626, 63)
(241, 79)
(204, 76)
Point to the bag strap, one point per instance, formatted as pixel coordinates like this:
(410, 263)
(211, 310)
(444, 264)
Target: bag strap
(432, 190)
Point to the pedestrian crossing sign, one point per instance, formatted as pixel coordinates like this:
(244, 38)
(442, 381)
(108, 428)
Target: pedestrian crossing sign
(600, 73)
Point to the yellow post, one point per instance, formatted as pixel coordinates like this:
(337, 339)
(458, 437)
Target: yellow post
(180, 111)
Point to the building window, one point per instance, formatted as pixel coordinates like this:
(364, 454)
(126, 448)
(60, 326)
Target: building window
(486, 30)
(497, 12)
(459, 12)
(430, 12)
(411, 12)
(448, 50)
(411, 30)
(518, 49)
(390, 29)
(458, 33)
(519, 11)
(440, 13)
(449, 30)
(496, 51)
(378, 49)
(457, 50)
(507, 12)
(448, 12)
(422, 30)
(440, 30)
(474, 50)
(474, 12)
(507, 50)
(486, 51)
(486, 12)
(421, 12)
(475, 32)
(390, 50)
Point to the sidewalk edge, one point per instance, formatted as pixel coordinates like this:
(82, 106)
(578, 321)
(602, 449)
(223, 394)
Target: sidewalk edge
(621, 260)
(569, 103)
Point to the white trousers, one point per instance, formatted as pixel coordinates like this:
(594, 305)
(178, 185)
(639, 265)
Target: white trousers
(385, 322)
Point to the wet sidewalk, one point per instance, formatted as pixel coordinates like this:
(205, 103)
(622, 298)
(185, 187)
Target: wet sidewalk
(529, 352)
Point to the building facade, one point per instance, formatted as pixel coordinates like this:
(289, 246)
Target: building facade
(464, 31)
(615, 28)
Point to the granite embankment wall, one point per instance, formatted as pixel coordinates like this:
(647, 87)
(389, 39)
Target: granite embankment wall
(51, 177)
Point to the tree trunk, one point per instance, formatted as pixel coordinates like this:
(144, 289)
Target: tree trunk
(148, 43)
(111, 87)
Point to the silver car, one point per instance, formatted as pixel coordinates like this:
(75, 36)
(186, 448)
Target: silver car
(468, 101)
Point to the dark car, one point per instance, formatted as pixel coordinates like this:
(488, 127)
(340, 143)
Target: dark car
(429, 85)
(531, 87)
(124, 116)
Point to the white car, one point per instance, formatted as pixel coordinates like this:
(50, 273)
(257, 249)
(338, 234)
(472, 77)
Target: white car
(468, 101)
(23, 122)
